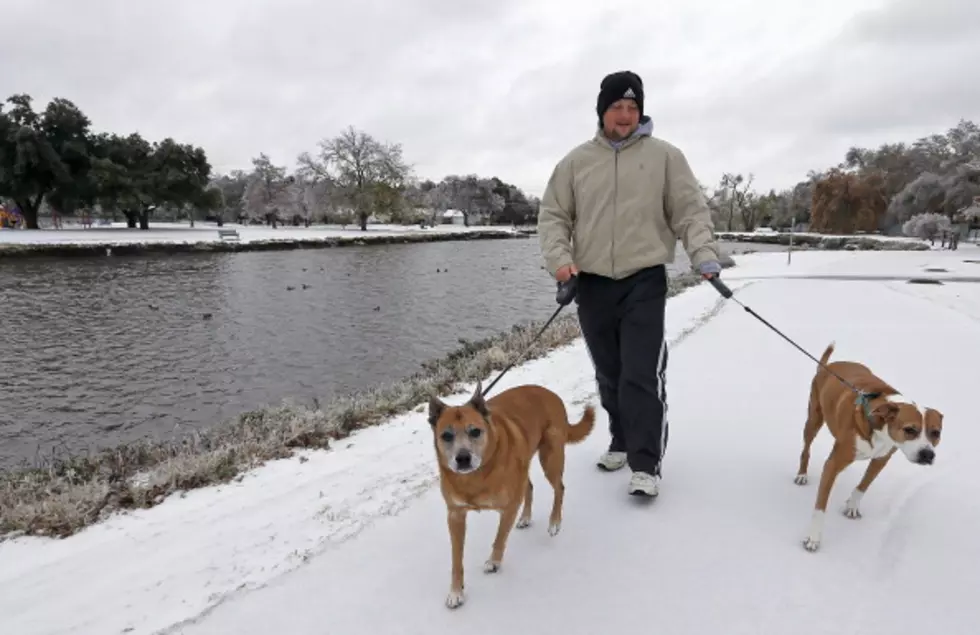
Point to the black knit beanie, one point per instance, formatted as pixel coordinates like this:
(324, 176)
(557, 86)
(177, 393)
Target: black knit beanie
(616, 86)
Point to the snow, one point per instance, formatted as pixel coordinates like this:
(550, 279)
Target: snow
(864, 265)
(764, 234)
(354, 540)
(119, 234)
(879, 266)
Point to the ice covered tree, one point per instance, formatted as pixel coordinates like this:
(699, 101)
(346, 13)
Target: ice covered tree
(930, 192)
(928, 225)
(232, 187)
(267, 196)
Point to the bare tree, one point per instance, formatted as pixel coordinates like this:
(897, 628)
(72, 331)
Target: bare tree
(370, 174)
(735, 188)
(324, 196)
(300, 200)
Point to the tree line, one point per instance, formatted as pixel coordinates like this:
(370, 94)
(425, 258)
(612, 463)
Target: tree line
(917, 188)
(52, 158)
(51, 161)
(354, 177)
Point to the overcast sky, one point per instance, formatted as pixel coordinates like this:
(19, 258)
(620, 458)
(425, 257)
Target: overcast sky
(504, 87)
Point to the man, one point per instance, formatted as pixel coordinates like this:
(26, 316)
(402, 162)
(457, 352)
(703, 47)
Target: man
(611, 214)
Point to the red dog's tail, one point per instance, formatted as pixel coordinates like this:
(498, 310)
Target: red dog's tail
(583, 428)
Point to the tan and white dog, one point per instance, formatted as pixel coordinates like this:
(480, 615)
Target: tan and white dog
(484, 450)
(871, 430)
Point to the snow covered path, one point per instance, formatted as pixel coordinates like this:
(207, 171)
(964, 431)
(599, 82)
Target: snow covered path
(355, 540)
(719, 552)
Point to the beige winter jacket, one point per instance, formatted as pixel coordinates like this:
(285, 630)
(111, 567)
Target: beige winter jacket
(615, 211)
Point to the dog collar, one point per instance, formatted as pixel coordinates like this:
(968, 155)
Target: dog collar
(864, 401)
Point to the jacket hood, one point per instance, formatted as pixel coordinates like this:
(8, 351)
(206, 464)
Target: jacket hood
(645, 129)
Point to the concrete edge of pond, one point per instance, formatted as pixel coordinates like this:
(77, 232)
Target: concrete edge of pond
(47, 250)
(804, 241)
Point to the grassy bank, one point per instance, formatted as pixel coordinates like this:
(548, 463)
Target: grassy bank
(71, 493)
(121, 248)
(861, 242)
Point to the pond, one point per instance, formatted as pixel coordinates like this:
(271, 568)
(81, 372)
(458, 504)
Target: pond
(98, 351)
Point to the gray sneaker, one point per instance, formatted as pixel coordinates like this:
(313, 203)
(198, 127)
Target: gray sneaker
(643, 484)
(611, 461)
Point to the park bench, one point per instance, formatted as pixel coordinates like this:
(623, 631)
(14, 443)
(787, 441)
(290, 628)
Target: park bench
(228, 234)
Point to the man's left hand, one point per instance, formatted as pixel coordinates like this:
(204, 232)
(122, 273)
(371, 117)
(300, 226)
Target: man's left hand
(710, 269)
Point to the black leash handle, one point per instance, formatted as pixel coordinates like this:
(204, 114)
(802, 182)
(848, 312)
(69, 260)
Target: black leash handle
(566, 291)
(720, 287)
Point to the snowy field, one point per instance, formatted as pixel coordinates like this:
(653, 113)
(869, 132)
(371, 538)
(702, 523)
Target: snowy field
(119, 234)
(355, 540)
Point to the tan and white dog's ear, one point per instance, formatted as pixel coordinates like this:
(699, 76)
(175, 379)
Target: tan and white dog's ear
(436, 408)
(477, 400)
(884, 414)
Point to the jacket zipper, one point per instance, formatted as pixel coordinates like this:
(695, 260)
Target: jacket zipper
(612, 240)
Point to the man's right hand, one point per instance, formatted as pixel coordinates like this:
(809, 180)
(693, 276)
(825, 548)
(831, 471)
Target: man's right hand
(565, 273)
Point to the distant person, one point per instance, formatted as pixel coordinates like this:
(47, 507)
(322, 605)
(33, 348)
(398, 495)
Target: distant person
(612, 213)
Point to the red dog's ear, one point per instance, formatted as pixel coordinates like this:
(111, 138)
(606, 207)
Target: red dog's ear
(436, 408)
(477, 400)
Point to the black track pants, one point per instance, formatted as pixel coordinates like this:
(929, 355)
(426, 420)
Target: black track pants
(623, 325)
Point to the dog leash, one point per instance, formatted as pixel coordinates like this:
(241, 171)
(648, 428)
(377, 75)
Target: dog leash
(566, 293)
(564, 296)
(863, 398)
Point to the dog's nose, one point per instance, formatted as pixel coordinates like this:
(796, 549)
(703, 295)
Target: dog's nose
(463, 458)
(926, 456)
